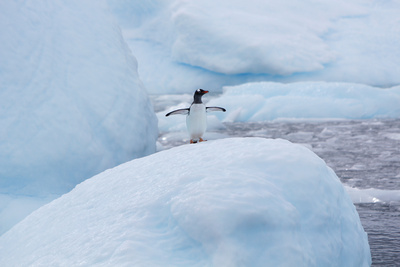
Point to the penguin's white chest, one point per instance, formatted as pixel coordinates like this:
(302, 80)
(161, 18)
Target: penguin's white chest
(196, 121)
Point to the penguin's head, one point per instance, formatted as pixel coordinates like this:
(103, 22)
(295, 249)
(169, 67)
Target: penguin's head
(198, 94)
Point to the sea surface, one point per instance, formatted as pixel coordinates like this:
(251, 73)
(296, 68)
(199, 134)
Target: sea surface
(365, 154)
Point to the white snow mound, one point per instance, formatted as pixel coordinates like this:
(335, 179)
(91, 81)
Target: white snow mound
(229, 202)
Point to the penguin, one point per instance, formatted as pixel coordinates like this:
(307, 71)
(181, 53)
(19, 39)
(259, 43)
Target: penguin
(196, 119)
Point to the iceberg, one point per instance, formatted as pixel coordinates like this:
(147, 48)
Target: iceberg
(265, 101)
(71, 101)
(228, 202)
(184, 44)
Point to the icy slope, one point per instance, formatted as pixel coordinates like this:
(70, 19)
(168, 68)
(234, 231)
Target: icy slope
(184, 44)
(71, 102)
(230, 202)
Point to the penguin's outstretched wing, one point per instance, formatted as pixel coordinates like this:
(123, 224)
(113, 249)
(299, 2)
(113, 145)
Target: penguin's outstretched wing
(209, 109)
(182, 111)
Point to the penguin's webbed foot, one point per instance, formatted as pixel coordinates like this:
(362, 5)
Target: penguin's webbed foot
(195, 141)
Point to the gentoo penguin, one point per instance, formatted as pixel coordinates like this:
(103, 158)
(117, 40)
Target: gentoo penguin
(196, 120)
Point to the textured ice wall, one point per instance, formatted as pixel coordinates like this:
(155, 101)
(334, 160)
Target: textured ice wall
(71, 102)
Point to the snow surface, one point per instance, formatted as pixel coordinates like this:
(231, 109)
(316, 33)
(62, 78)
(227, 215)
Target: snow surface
(183, 45)
(230, 202)
(71, 102)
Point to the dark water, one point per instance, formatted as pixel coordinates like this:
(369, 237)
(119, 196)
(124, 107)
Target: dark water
(364, 154)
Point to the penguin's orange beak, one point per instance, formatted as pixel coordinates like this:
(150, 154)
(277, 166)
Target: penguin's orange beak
(205, 91)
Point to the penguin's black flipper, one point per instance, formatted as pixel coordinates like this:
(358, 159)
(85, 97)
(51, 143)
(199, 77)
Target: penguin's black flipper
(209, 109)
(182, 111)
